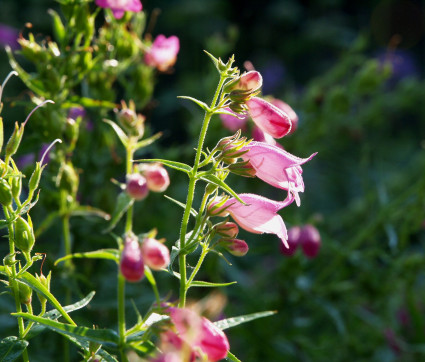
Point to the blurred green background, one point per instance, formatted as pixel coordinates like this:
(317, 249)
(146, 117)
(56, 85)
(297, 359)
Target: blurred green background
(354, 73)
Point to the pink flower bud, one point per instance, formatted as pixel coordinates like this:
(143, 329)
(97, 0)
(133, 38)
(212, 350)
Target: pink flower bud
(310, 241)
(118, 7)
(294, 234)
(235, 247)
(163, 53)
(137, 186)
(131, 264)
(156, 176)
(155, 254)
(286, 108)
(228, 229)
(247, 82)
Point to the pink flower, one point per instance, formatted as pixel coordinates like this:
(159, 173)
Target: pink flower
(118, 7)
(163, 52)
(259, 215)
(131, 264)
(200, 334)
(235, 247)
(247, 82)
(233, 123)
(156, 176)
(276, 166)
(286, 108)
(155, 254)
(268, 117)
(136, 186)
(260, 136)
(228, 230)
(293, 241)
(310, 241)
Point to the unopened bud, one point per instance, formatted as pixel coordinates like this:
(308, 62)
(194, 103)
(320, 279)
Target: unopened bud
(14, 140)
(235, 247)
(155, 254)
(133, 123)
(137, 186)
(132, 266)
(5, 193)
(242, 169)
(227, 230)
(45, 281)
(156, 176)
(215, 207)
(310, 241)
(24, 235)
(247, 82)
(25, 293)
(294, 234)
(16, 186)
(68, 179)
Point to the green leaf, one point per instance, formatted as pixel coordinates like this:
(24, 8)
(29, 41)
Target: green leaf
(199, 283)
(148, 141)
(120, 133)
(124, 201)
(86, 210)
(11, 348)
(109, 254)
(232, 357)
(232, 322)
(193, 212)
(216, 181)
(214, 59)
(88, 103)
(81, 333)
(34, 284)
(54, 314)
(198, 102)
(179, 166)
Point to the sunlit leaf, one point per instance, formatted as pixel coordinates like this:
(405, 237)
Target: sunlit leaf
(199, 283)
(231, 357)
(235, 321)
(109, 254)
(216, 181)
(198, 102)
(173, 164)
(120, 133)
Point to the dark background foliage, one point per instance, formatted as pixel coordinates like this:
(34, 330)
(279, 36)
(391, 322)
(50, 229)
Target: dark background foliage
(354, 73)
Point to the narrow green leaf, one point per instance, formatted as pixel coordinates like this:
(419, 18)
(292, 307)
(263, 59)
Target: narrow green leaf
(86, 210)
(88, 103)
(232, 322)
(193, 212)
(120, 133)
(54, 314)
(124, 201)
(232, 357)
(86, 347)
(179, 166)
(11, 348)
(148, 141)
(216, 181)
(213, 58)
(199, 283)
(198, 102)
(109, 254)
(34, 284)
(81, 333)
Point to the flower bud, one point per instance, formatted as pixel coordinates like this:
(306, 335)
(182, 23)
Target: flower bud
(235, 247)
(247, 82)
(25, 293)
(68, 179)
(131, 264)
(310, 241)
(294, 234)
(156, 176)
(137, 186)
(45, 281)
(24, 235)
(36, 176)
(14, 140)
(5, 193)
(155, 254)
(227, 230)
(133, 123)
(242, 169)
(16, 183)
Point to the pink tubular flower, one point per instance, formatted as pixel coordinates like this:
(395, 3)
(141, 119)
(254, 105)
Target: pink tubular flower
(155, 254)
(233, 123)
(286, 108)
(131, 264)
(260, 136)
(200, 334)
(118, 7)
(268, 117)
(156, 176)
(163, 52)
(276, 166)
(259, 215)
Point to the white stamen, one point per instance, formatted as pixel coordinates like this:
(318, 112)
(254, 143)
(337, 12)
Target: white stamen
(40, 105)
(49, 148)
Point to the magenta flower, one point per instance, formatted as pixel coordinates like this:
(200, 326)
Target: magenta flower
(258, 216)
(163, 52)
(156, 176)
(268, 117)
(131, 264)
(118, 7)
(258, 135)
(233, 123)
(276, 166)
(286, 108)
(155, 254)
(310, 241)
(200, 334)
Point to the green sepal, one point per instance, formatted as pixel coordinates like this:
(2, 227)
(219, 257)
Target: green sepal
(235, 321)
(11, 348)
(216, 181)
(86, 334)
(124, 201)
(173, 164)
(198, 102)
(120, 133)
(108, 254)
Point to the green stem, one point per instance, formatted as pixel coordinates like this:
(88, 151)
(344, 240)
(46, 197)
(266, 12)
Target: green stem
(191, 193)
(198, 264)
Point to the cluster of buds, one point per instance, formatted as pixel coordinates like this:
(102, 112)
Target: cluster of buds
(228, 232)
(132, 122)
(151, 177)
(307, 237)
(135, 255)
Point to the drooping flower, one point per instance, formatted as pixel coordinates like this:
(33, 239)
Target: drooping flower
(236, 247)
(163, 52)
(258, 215)
(200, 334)
(131, 264)
(156, 176)
(136, 186)
(286, 108)
(276, 166)
(310, 241)
(155, 254)
(119, 7)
